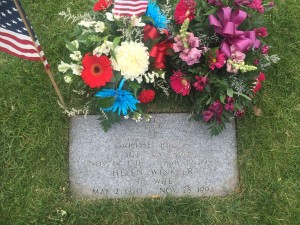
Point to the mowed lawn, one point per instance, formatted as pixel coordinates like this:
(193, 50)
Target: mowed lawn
(34, 185)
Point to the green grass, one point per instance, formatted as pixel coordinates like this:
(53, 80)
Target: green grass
(34, 142)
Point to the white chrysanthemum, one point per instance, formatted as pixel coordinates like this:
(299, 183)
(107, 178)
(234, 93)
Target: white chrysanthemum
(132, 59)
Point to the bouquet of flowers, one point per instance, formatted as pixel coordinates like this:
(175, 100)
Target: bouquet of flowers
(220, 56)
(216, 52)
(118, 57)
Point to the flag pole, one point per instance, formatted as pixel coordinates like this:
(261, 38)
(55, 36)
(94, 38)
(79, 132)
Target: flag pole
(47, 68)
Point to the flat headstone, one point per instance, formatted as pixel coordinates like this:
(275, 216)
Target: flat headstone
(169, 155)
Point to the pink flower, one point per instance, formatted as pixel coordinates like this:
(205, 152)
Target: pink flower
(258, 85)
(261, 32)
(240, 113)
(265, 49)
(217, 61)
(180, 84)
(190, 56)
(256, 62)
(229, 106)
(216, 109)
(200, 83)
(237, 56)
(257, 5)
(178, 47)
(207, 115)
(193, 41)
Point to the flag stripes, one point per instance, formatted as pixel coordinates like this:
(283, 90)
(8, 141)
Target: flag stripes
(14, 36)
(130, 7)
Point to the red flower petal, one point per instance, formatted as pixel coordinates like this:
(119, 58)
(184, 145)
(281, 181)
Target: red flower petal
(97, 71)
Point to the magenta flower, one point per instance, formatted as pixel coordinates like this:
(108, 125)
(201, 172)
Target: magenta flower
(265, 49)
(180, 84)
(215, 2)
(217, 61)
(207, 115)
(216, 109)
(200, 83)
(229, 106)
(257, 5)
(261, 32)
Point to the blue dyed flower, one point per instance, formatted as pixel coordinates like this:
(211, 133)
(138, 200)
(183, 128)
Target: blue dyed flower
(160, 20)
(124, 100)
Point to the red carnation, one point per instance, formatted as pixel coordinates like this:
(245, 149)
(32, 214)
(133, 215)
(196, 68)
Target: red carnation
(258, 85)
(146, 96)
(97, 71)
(102, 5)
(185, 9)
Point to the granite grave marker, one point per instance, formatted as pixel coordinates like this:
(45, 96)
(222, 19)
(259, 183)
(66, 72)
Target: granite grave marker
(169, 155)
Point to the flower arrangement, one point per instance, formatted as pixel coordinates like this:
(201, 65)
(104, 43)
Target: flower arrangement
(220, 56)
(211, 52)
(118, 58)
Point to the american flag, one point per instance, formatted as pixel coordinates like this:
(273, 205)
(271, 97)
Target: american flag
(15, 39)
(130, 7)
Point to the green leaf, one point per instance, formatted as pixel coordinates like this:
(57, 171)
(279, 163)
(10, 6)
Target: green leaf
(230, 92)
(243, 95)
(116, 42)
(94, 38)
(148, 19)
(212, 11)
(117, 77)
(222, 99)
(113, 54)
(70, 46)
(209, 101)
(105, 102)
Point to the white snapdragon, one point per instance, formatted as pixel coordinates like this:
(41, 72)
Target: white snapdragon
(75, 44)
(68, 79)
(99, 27)
(103, 49)
(63, 67)
(76, 56)
(76, 69)
(150, 77)
(111, 17)
(87, 24)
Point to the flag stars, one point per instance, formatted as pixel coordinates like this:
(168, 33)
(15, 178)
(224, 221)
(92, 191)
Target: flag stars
(8, 24)
(9, 12)
(19, 19)
(14, 9)
(3, 14)
(19, 31)
(13, 21)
